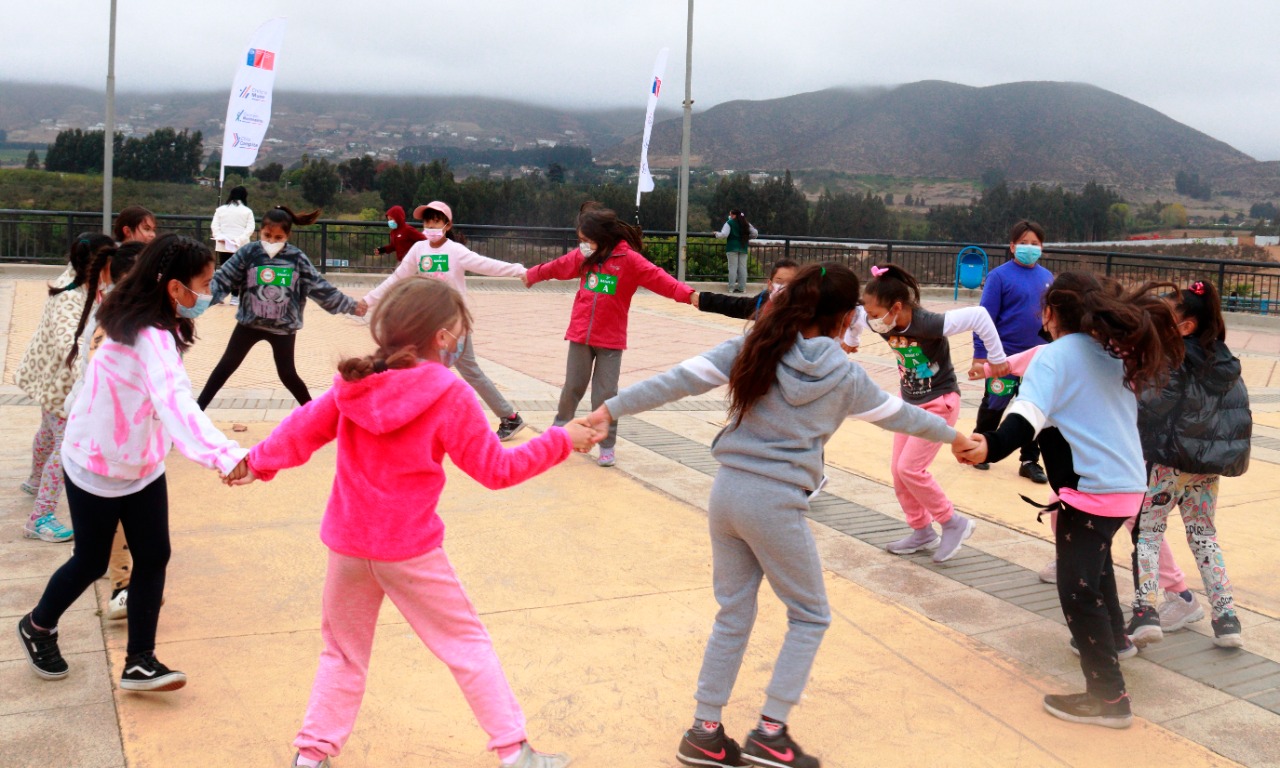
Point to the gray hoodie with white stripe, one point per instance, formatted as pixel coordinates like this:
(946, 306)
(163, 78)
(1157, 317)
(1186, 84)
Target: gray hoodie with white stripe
(783, 434)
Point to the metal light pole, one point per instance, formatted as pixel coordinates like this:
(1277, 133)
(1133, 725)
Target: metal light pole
(682, 241)
(109, 133)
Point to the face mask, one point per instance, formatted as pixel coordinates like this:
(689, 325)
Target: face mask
(879, 324)
(392, 224)
(107, 289)
(203, 300)
(433, 234)
(586, 249)
(1027, 255)
(774, 288)
(450, 356)
(272, 248)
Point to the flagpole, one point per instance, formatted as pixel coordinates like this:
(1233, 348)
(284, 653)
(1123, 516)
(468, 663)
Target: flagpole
(682, 241)
(109, 131)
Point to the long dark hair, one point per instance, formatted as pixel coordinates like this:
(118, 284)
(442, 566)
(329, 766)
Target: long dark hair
(744, 227)
(118, 262)
(238, 195)
(83, 252)
(893, 284)
(1133, 324)
(404, 324)
(131, 217)
(1200, 302)
(141, 299)
(821, 295)
(603, 227)
(284, 217)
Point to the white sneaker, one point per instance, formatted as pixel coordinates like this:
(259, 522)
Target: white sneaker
(530, 758)
(118, 605)
(1049, 573)
(1176, 613)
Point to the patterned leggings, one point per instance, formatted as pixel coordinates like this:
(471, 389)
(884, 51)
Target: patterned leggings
(1196, 496)
(46, 464)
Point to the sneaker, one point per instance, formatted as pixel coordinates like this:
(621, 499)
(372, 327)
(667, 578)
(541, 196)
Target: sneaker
(1226, 632)
(118, 605)
(508, 427)
(1127, 651)
(778, 750)
(606, 458)
(29, 489)
(143, 672)
(698, 748)
(322, 764)
(924, 538)
(984, 466)
(1033, 472)
(1087, 709)
(47, 528)
(235, 300)
(41, 646)
(1049, 573)
(954, 532)
(1176, 613)
(1144, 627)
(529, 758)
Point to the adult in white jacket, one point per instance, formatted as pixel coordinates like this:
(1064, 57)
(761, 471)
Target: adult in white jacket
(232, 227)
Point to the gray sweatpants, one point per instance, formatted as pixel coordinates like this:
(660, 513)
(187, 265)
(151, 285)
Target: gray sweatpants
(599, 366)
(469, 370)
(737, 270)
(758, 529)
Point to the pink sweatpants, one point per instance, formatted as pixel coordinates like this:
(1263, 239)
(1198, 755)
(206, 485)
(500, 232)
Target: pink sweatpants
(1172, 579)
(921, 497)
(427, 592)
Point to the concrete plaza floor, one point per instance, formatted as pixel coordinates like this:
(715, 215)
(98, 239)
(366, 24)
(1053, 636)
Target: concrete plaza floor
(595, 585)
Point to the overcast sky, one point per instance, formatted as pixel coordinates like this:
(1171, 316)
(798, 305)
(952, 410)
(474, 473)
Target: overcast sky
(1211, 65)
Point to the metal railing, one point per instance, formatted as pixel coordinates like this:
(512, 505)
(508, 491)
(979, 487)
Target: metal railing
(338, 246)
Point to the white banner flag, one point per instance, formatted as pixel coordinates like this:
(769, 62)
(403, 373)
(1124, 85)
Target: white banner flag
(249, 110)
(646, 180)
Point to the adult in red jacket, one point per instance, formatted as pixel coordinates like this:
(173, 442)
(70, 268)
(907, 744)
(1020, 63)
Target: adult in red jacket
(609, 269)
(403, 236)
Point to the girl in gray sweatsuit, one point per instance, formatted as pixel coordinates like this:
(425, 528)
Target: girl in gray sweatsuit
(791, 386)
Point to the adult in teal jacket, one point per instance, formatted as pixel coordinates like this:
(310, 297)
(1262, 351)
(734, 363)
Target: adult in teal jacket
(737, 231)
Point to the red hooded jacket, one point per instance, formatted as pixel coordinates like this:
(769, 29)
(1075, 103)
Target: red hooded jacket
(403, 236)
(599, 319)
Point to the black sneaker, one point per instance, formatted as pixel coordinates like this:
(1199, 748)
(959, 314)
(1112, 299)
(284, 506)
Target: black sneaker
(1033, 472)
(697, 747)
(508, 427)
(41, 646)
(143, 672)
(1144, 627)
(1126, 651)
(1226, 632)
(1087, 709)
(984, 466)
(776, 751)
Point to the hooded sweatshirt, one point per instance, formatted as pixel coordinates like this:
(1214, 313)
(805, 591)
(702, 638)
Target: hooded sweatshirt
(603, 302)
(782, 436)
(274, 289)
(403, 236)
(393, 430)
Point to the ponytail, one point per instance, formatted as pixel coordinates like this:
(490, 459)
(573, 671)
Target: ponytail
(404, 325)
(890, 284)
(284, 217)
(84, 251)
(118, 261)
(1200, 302)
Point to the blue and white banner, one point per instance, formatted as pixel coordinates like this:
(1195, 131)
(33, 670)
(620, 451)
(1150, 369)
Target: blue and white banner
(655, 87)
(249, 110)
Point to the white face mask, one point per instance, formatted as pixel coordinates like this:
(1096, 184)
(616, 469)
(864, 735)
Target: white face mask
(879, 324)
(586, 249)
(272, 248)
(774, 288)
(433, 234)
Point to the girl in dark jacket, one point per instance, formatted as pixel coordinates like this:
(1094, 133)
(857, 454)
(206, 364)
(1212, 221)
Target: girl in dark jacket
(1194, 430)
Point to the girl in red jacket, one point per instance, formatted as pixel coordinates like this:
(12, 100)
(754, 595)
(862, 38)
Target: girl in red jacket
(403, 236)
(609, 269)
(395, 414)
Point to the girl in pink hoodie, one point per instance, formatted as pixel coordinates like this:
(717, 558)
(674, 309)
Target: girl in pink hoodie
(395, 414)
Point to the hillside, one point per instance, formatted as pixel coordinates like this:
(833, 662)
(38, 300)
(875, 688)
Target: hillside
(1034, 132)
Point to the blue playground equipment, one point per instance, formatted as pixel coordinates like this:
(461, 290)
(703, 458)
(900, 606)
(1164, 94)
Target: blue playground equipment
(971, 268)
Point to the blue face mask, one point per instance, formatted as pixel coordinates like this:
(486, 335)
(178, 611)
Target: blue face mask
(450, 356)
(1026, 255)
(392, 223)
(203, 300)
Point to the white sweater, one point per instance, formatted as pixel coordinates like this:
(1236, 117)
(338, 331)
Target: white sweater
(449, 262)
(232, 227)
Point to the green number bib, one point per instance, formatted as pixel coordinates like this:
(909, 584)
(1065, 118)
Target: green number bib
(599, 282)
(281, 276)
(913, 359)
(434, 262)
(1003, 387)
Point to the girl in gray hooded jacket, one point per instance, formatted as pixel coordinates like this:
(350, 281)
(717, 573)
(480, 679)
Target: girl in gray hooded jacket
(790, 386)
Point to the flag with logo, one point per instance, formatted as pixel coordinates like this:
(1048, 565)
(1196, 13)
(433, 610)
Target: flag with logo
(655, 87)
(249, 110)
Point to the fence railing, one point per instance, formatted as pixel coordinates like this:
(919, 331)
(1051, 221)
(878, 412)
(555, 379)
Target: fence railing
(338, 246)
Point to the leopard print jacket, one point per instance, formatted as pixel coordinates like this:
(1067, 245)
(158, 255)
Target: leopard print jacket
(43, 373)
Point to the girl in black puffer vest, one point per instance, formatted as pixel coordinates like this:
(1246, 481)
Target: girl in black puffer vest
(1194, 430)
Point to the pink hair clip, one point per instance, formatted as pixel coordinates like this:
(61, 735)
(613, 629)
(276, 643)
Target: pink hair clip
(878, 271)
(1197, 288)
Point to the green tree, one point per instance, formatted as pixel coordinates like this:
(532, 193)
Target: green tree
(555, 173)
(269, 173)
(359, 174)
(33, 161)
(320, 182)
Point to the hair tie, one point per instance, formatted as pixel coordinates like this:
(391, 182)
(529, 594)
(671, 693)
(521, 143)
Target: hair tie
(824, 272)
(379, 366)
(1197, 288)
(878, 271)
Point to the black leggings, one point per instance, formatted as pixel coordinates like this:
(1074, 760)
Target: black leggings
(1087, 591)
(145, 518)
(242, 340)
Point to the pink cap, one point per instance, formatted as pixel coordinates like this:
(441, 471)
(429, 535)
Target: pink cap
(434, 205)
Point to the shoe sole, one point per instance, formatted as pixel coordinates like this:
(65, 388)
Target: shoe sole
(514, 432)
(968, 531)
(170, 682)
(1183, 622)
(1146, 635)
(697, 761)
(1229, 641)
(42, 537)
(937, 541)
(32, 662)
(754, 760)
(1127, 653)
(1105, 722)
(117, 615)
(1045, 580)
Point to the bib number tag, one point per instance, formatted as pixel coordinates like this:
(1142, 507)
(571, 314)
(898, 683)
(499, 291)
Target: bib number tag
(434, 262)
(281, 276)
(914, 360)
(1003, 387)
(598, 282)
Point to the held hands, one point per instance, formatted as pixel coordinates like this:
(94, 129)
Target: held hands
(584, 435)
(362, 308)
(977, 370)
(969, 450)
(848, 349)
(999, 369)
(693, 299)
(527, 280)
(241, 475)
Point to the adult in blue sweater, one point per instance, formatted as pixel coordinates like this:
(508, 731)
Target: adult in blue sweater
(1012, 296)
